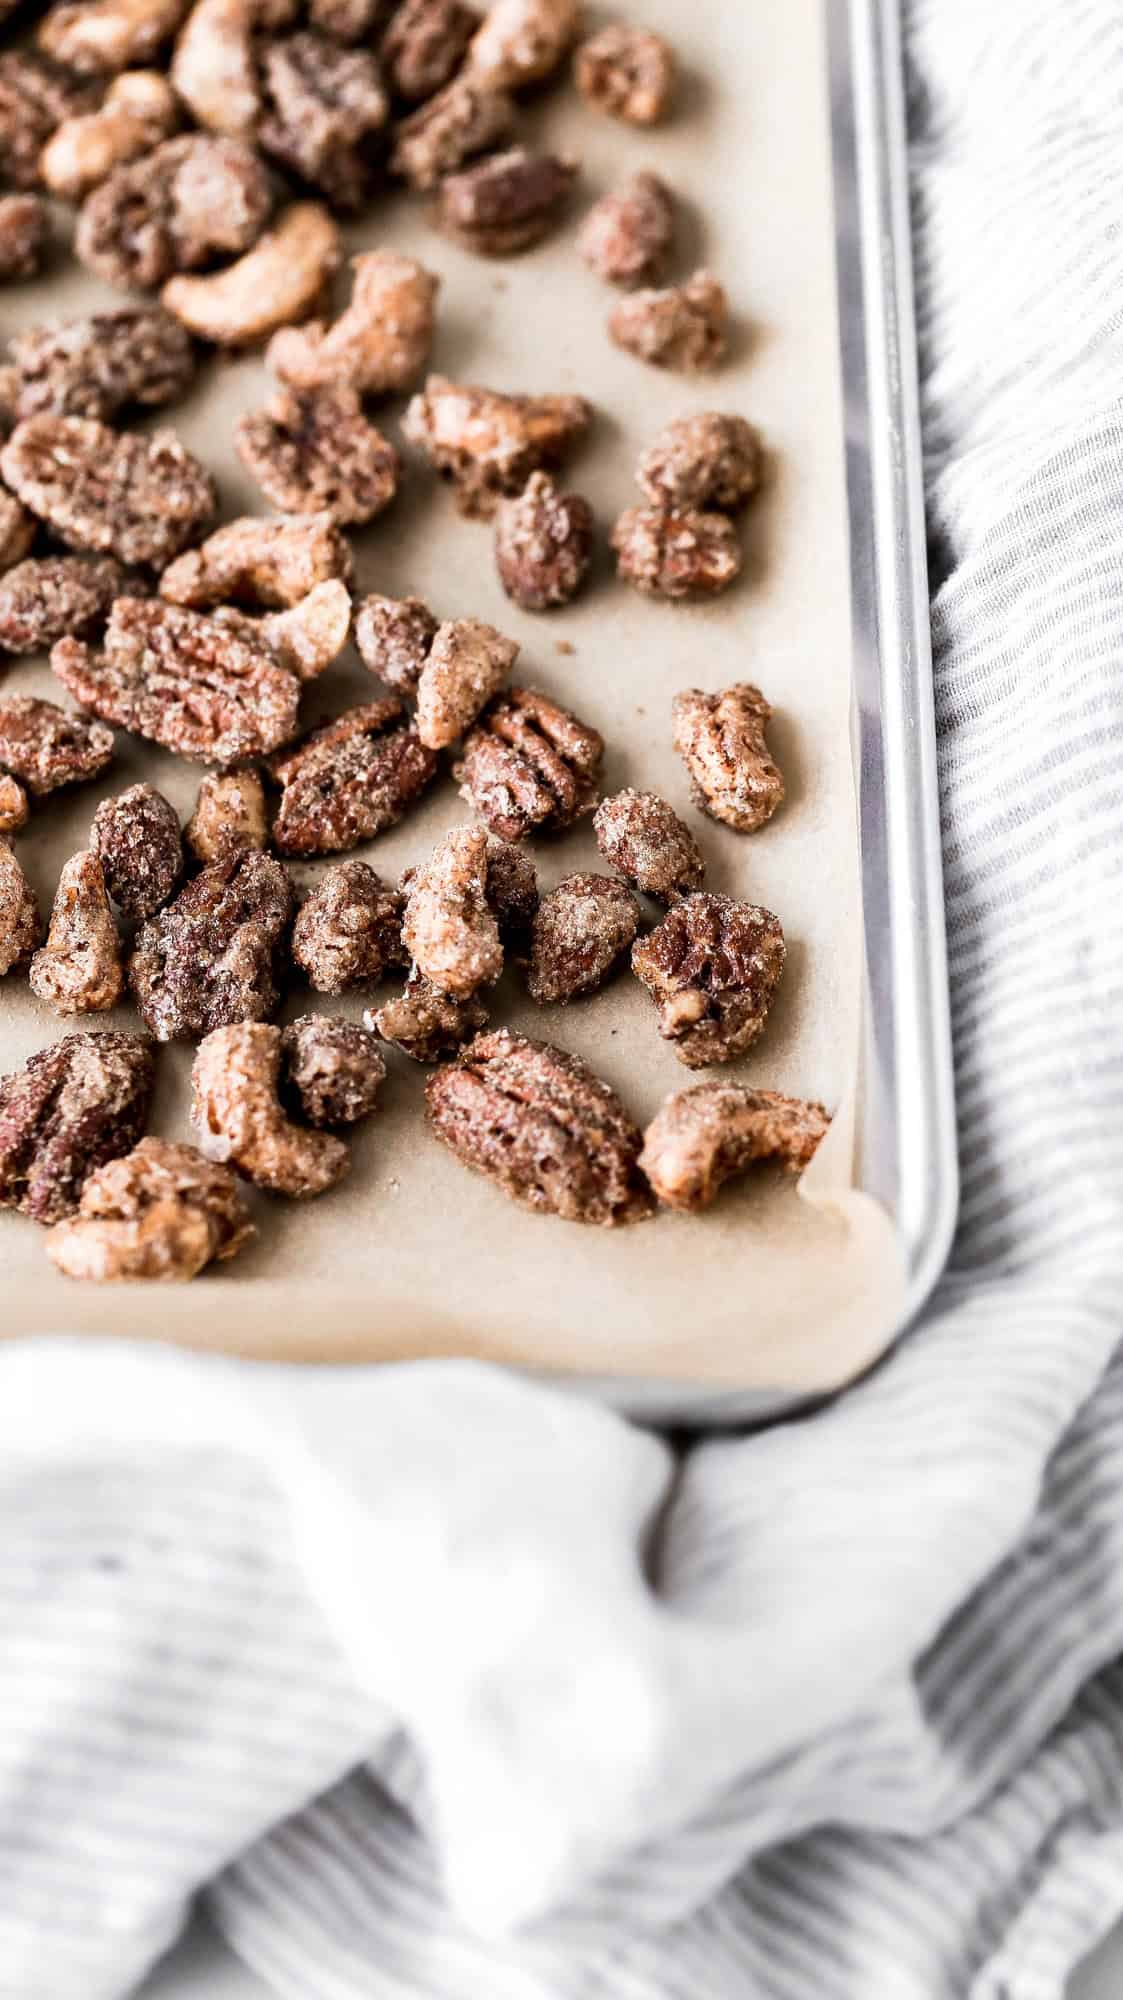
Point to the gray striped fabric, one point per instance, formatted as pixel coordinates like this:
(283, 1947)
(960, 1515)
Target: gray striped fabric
(864, 1734)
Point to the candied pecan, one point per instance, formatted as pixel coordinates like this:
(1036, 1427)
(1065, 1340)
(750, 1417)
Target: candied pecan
(213, 956)
(78, 970)
(71, 1108)
(522, 41)
(350, 779)
(702, 1137)
(136, 838)
(139, 109)
(47, 596)
(92, 37)
(682, 326)
(324, 104)
(543, 1126)
(45, 747)
(543, 544)
(467, 663)
(237, 1112)
(333, 1068)
(627, 235)
(720, 738)
(426, 1024)
(529, 763)
(24, 233)
(349, 931)
(305, 639)
(627, 72)
(21, 925)
(712, 967)
(676, 555)
(650, 845)
(708, 460)
(512, 890)
(449, 928)
(229, 816)
(506, 202)
(180, 207)
(102, 363)
(582, 929)
(35, 97)
(487, 443)
(393, 635)
(378, 344)
(13, 805)
(313, 451)
(463, 119)
(139, 498)
(346, 20)
(259, 562)
(161, 1213)
(18, 530)
(424, 45)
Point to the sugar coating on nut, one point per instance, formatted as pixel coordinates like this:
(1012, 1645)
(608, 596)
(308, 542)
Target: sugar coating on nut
(79, 969)
(529, 764)
(627, 72)
(35, 96)
(702, 1137)
(378, 345)
(47, 596)
(543, 544)
(675, 555)
(214, 68)
(425, 1024)
(424, 45)
(350, 779)
(348, 933)
(712, 968)
(136, 838)
(215, 954)
(333, 1068)
(176, 209)
(522, 41)
(449, 928)
(626, 237)
(467, 663)
(314, 451)
(13, 805)
(720, 738)
(507, 202)
(582, 929)
(141, 499)
(681, 326)
(229, 816)
(99, 364)
(139, 109)
(24, 234)
(21, 925)
(466, 117)
(45, 747)
(18, 529)
(644, 838)
(393, 636)
(324, 105)
(159, 1215)
(236, 1111)
(306, 638)
(73, 1106)
(708, 460)
(280, 280)
(99, 36)
(512, 890)
(261, 562)
(488, 444)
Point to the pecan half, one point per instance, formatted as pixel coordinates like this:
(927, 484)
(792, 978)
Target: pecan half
(708, 460)
(507, 202)
(582, 929)
(378, 345)
(72, 1107)
(393, 636)
(424, 46)
(467, 663)
(488, 444)
(649, 844)
(426, 1024)
(627, 72)
(260, 562)
(45, 597)
(448, 927)
(333, 1068)
(350, 779)
(141, 499)
(683, 326)
(229, 816)
(627, 236)
(162, 1213)
(102, 363)
(79, 970)
(44, 747)
(313, 451)
(712, 967)
(543, 544)
(178, 208)
(676, 555)
(529, 764)
(24, 233)
(703, 1137)
(349, 931)
(136, 838)
(21, 925)
(237, 1112)
(463, 119)
(214, 955)
(720, 738)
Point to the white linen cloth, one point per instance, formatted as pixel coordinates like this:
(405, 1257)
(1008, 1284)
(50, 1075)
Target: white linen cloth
(453, 1686)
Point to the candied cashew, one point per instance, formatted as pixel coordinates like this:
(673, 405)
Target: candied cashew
(487, 443)
(24, 235)
(138, 110)
(262, 562)
(21, 925)
(522, 41)
(214, 68)
(703, 1137)
(160, 1213)
(79, 969)
(304, 640)
(237, 1112)
(676, 555)
(280, 280)
(93, 37)
(720, 738)
(467, 663)
(682, 326)
(381, 340)
(13, 805)
(229, 816)
(449, 927)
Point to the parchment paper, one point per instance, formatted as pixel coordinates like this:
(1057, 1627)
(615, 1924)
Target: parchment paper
(413, 1255)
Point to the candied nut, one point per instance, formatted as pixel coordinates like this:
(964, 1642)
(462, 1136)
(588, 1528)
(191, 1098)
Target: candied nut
(45, 747)
(141, 499)
(702, 1137)
(350, 779)
(281, 279)
(78, 970)
(13, 805)
(229, 816)
(47, 596)
(522, 41)
(378, 344)
(349, 931)
(24, 233)
(676, 555)
(627, 72)
(346, 20)
(93, 37)
(512, 890)
(425, 1024)
(324, 103)
(682, 326)
(529, 764)
(21, 925)
(424, 46)
(467, 663)
(627, 235)
(177, 208)
(183, 680)
(18, 530)
(214, 68)
(543, 1126)
(506, 202)
(71, 1108)
(333, 1068)
(543, 544)
(449, 928)
(650, 845)
(138, 110)
(712, 967)
(213, 955)
(487, 443)
(161, 1213)
(306, 639)
(393, 636)
(101, 364)
(237, 1113)
(582, 929)
(463, 119)
(702, 461)
(720, 738)
(258, 562)
(35, 97)
(136, 838)
(313, 451)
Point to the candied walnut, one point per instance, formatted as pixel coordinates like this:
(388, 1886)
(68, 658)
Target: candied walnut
(449, 928)
(488, 444)
(305, 639)
(18, 530)
(324, 104)
(71, 1108)
(627, 72)
(720, 738)
(47, 596)
(702, 1137)
(313, 451)
(260, 562)
(214, 955)
(424, 46)
(102, 363)
(78, 970)
(24, 234)
(393, 636)
(582, 929)
(463, 119)
(141, 499)
(529, 764)
(507, 202)
(707, 460)
(93, 37)
(426, 1024)
(280, 280)
(378, 344)
(712, 967)
(543, 544)
(543, 1126)
(136, 838)
(237, 1112)
(181, 206)
(21, 925)
(349, 931)
(160, 1214)
(13, 805)
(35, 97)
(467, 663)
(229, 816)
(626, 237)
(346, 20)
(333, 1068)
(183, 680)
(522, 41)
(139, 109)
(650, 845)
(45, 747)
(682, 326)
(350, 779)
(676, 555)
